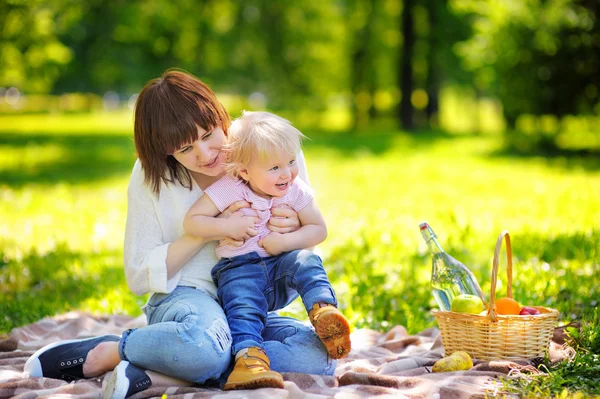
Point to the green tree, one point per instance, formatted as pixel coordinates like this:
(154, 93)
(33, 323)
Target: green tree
(32, 55)
(536, 57)
(293, 52)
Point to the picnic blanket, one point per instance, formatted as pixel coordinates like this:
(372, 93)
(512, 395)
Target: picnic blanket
(391, 363)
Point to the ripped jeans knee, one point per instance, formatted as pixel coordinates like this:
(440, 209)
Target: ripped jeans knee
(205, 352)
(187, 337)
(194, 330)
(218, 333)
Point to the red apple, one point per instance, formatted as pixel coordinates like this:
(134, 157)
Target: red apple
(526, 311)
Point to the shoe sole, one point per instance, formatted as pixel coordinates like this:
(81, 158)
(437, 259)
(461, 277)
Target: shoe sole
(33, 366)
(255, 384)
(118, 383)
(334, 331)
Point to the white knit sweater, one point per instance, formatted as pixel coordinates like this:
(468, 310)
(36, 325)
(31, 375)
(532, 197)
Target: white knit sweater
(152, 224)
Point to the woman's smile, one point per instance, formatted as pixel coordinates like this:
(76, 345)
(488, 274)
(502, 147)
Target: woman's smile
(213, 163)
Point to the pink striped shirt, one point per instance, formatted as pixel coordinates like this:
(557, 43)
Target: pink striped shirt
(228, 190)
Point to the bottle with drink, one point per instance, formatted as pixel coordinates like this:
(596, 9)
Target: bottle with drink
(449, 277)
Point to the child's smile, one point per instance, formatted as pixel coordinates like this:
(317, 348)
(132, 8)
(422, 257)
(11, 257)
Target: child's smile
(271, 177)
(283, 186)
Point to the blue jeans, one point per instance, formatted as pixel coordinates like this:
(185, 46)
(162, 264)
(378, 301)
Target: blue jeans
(187, 337)
(250, 286)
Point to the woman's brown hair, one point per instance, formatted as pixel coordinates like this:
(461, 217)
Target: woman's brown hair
(167, 113)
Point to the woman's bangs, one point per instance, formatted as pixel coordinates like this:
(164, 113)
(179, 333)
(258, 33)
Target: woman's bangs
(179, 135)
(205, 117)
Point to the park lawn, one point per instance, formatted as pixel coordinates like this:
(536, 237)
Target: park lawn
(63, 183)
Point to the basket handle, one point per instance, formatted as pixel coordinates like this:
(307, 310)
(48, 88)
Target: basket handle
(493, 315)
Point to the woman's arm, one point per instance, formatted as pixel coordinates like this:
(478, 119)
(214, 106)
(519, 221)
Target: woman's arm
(181, 251)
(151, 264)
(201, 221)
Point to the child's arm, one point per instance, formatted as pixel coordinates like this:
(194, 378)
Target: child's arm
(201, 221)
(312, 232)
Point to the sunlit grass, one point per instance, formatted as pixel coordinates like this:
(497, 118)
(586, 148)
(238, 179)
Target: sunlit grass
(63, 182)
(117, 122)
(373, 189)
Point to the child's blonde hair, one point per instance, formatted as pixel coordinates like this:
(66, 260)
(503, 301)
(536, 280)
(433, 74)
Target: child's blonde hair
(258, 134)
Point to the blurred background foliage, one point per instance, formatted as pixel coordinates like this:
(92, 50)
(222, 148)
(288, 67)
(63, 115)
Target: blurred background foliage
(524, 68)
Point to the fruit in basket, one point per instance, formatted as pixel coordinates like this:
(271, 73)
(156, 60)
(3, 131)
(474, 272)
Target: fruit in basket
(455, 362)
(507, 306)
(467, 303)
(527, 311)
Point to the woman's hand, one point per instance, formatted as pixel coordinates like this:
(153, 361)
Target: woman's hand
(283, 220)
(230, 242)
(273, 243)
(236, 206)
(240, 227)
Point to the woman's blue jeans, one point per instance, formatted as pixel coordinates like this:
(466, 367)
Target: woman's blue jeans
(187, 337)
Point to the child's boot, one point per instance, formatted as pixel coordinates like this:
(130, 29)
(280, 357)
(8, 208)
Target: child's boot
(332, 328)
(252, 370)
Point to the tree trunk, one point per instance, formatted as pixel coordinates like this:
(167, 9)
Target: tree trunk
(362, 67)
(433, 72)
(405, 71)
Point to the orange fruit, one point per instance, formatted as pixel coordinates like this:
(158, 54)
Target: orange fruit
(506, 306)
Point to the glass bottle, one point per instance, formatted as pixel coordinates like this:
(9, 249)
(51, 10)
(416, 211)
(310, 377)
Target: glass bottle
(449, 277)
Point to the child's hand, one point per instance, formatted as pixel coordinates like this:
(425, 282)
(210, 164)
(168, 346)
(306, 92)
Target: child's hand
(273, 243)
(239, 227)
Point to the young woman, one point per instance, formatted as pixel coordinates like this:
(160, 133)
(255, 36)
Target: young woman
(180, 129)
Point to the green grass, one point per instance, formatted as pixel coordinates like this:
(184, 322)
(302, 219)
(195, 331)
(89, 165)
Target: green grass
(63, 186)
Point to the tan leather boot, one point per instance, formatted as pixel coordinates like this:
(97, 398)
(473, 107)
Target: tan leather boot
(332, 328)
(252, 371)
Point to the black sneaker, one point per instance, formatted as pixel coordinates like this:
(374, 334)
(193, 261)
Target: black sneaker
(125, 381)
(64, 360)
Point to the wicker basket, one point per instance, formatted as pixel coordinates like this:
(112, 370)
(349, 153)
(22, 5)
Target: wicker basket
(493, 336)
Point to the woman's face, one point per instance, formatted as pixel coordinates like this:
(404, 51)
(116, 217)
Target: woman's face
(204, 155)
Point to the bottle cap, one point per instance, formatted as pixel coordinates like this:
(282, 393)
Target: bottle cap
(423, 225)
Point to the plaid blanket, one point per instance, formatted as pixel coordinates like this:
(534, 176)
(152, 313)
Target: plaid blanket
(391, 363)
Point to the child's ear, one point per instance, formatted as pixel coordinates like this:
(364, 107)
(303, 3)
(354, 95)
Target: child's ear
(243, 173)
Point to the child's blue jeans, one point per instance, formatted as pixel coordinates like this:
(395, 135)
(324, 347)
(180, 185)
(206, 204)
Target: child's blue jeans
(250, 286)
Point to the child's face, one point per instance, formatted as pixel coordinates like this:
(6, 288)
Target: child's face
(204, 155)
(271, 177)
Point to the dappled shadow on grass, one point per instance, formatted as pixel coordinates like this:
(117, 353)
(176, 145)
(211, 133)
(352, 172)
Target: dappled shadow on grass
(71, 158)
(35, 286)
(376, 287)
(580, 246)
(565, 266)
(586, 159)
(561, 271)
(379, 142)
(349, 143)
(387, 283)
(560, 160)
